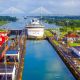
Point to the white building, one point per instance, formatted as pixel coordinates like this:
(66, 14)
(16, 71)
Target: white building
(35, 29)
(8, 72)
(76, 50)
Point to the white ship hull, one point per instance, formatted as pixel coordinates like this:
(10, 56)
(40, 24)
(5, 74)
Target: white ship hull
(37, 32)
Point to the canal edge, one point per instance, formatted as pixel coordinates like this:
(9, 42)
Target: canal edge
(77, 77)
(21, 64)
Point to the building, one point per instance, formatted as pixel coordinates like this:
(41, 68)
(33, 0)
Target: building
(72, 37)
(14, 27)
(35, 29)
(13, 56)
(76, 50)
(8, 71)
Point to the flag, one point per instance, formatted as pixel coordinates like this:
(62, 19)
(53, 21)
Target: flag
(2, 40)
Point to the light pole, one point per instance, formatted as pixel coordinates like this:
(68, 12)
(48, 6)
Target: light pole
(18, 40)
(5, 62)
(67, 32)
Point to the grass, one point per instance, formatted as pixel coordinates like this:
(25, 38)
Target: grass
(63, 34)
(48, 33)
(70, 29)
(3, 22)
(55, 42)
(1, 30)
(74, 44)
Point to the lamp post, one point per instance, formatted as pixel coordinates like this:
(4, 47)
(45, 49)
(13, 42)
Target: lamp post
(5, 62)
(67, 32)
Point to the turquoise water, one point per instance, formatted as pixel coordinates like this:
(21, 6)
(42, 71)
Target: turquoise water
(43, 63)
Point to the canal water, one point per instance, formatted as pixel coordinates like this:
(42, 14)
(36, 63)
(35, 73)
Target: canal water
(43, 63)
(50, 26)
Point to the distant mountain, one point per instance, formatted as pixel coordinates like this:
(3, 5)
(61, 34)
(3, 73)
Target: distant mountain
(12, 11)
(41, 11)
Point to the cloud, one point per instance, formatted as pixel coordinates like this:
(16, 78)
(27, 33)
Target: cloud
(70, 3)
(52, 6)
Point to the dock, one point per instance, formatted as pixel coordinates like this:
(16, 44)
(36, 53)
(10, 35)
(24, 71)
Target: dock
(22, 53)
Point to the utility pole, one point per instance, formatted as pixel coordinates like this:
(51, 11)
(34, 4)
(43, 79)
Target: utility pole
(5, 62)
(67, 32)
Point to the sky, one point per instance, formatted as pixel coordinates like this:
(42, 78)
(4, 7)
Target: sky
(55, 7)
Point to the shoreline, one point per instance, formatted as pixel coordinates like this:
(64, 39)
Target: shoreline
(64, 59)
(21, 64)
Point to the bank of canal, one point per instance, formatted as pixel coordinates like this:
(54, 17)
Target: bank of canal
(43, 63)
